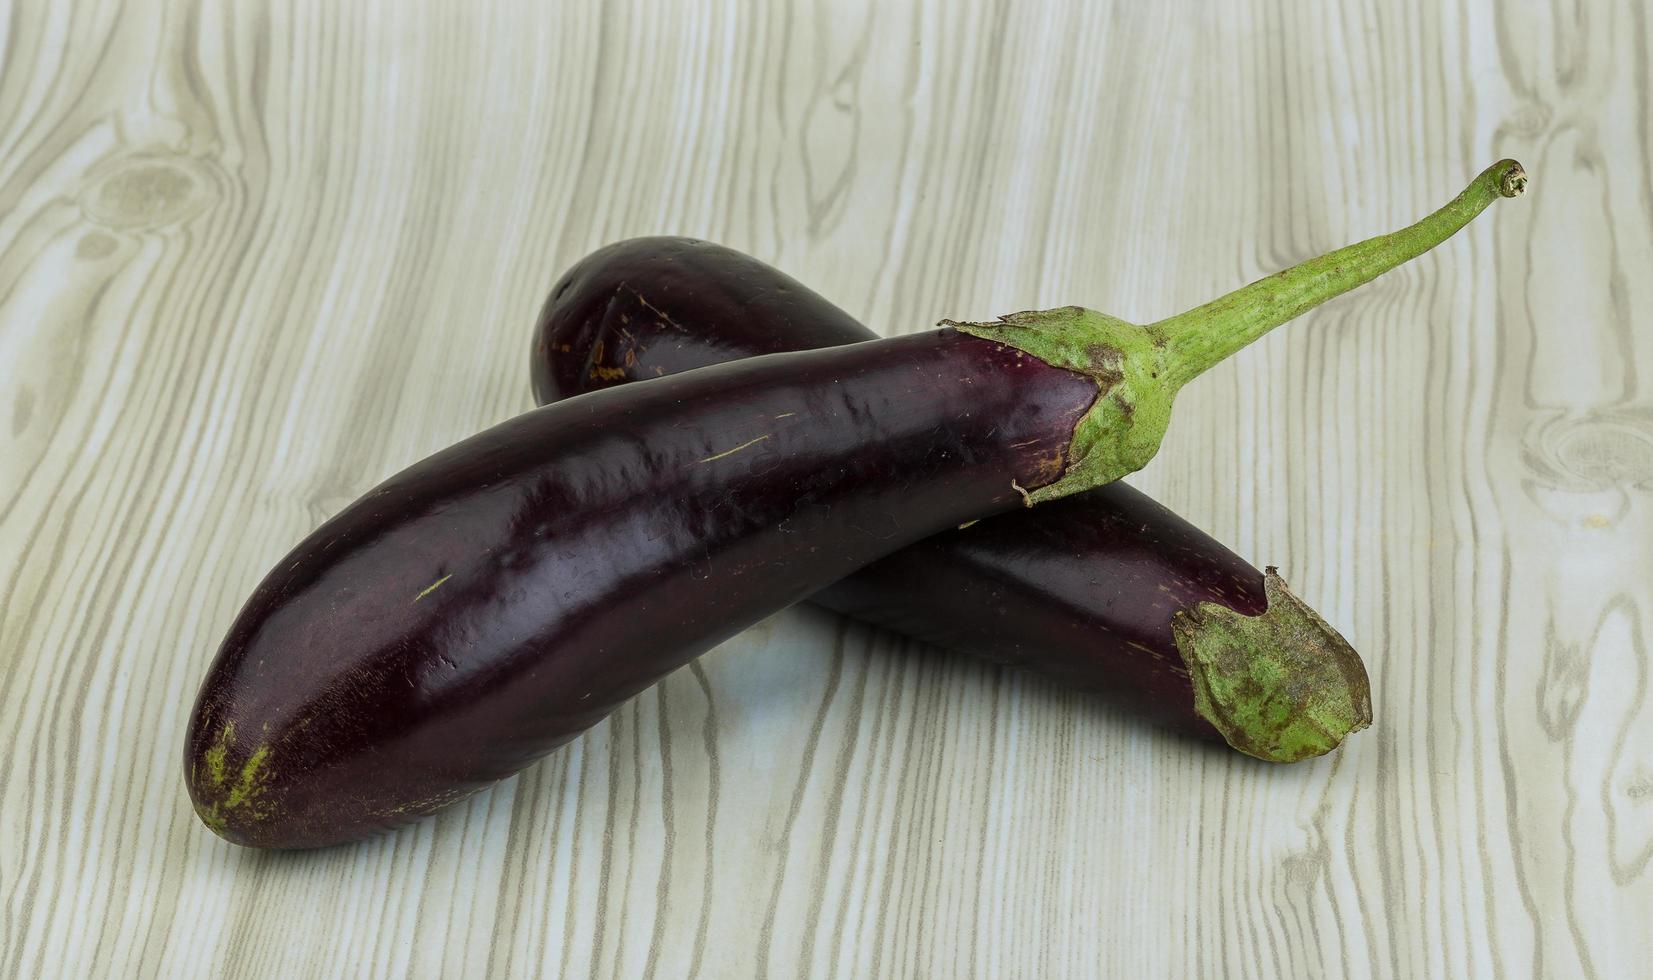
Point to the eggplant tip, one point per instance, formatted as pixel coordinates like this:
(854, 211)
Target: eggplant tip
(228, 796)
(1281, 686)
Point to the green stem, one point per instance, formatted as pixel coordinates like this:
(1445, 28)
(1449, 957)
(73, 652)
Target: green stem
(1138, 370)
(1200, 338)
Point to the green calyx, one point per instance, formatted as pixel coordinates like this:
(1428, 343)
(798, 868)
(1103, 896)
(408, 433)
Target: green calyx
(1139, 369)
(1122, 430)
(1282, 686)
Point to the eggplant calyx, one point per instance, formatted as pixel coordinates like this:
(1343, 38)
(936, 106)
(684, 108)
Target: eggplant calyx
(1122, 429)
(1281, 686)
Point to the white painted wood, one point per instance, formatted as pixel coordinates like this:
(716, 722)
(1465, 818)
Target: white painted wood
(254, 257)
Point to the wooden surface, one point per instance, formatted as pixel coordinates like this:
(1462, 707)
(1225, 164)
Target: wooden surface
(253, 258)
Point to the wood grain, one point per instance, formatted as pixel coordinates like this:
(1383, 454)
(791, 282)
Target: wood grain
(254, 257)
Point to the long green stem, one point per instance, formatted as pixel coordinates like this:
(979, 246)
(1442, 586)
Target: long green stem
(1138, 370)
(1205, 335)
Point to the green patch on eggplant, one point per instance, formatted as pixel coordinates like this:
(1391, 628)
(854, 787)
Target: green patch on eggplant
(225, 793)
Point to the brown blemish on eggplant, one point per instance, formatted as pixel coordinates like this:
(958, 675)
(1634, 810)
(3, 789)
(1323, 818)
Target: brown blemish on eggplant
(598, 370)
(1106, 365)
(1051, 468)
(664, 317)
(595, 368)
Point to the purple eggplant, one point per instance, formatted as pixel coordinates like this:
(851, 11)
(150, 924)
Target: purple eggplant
(1104, 591)
(492, 601)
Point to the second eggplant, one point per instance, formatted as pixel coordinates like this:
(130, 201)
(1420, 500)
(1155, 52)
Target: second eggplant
(1103, 591)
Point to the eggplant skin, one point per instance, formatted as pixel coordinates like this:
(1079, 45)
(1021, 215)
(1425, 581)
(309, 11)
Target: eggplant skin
(1083, 589)
(650, 307)
(494, 600)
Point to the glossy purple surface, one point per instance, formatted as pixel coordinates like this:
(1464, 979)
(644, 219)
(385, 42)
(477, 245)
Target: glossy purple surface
(1081, 589)
(489, 603)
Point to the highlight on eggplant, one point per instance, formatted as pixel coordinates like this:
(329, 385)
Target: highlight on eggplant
(1106, 591)
(489, 603)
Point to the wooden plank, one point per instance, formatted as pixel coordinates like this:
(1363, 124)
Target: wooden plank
(254, 257)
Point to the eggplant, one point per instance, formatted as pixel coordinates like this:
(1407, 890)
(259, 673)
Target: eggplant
(491, 602)
(1107, 591)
